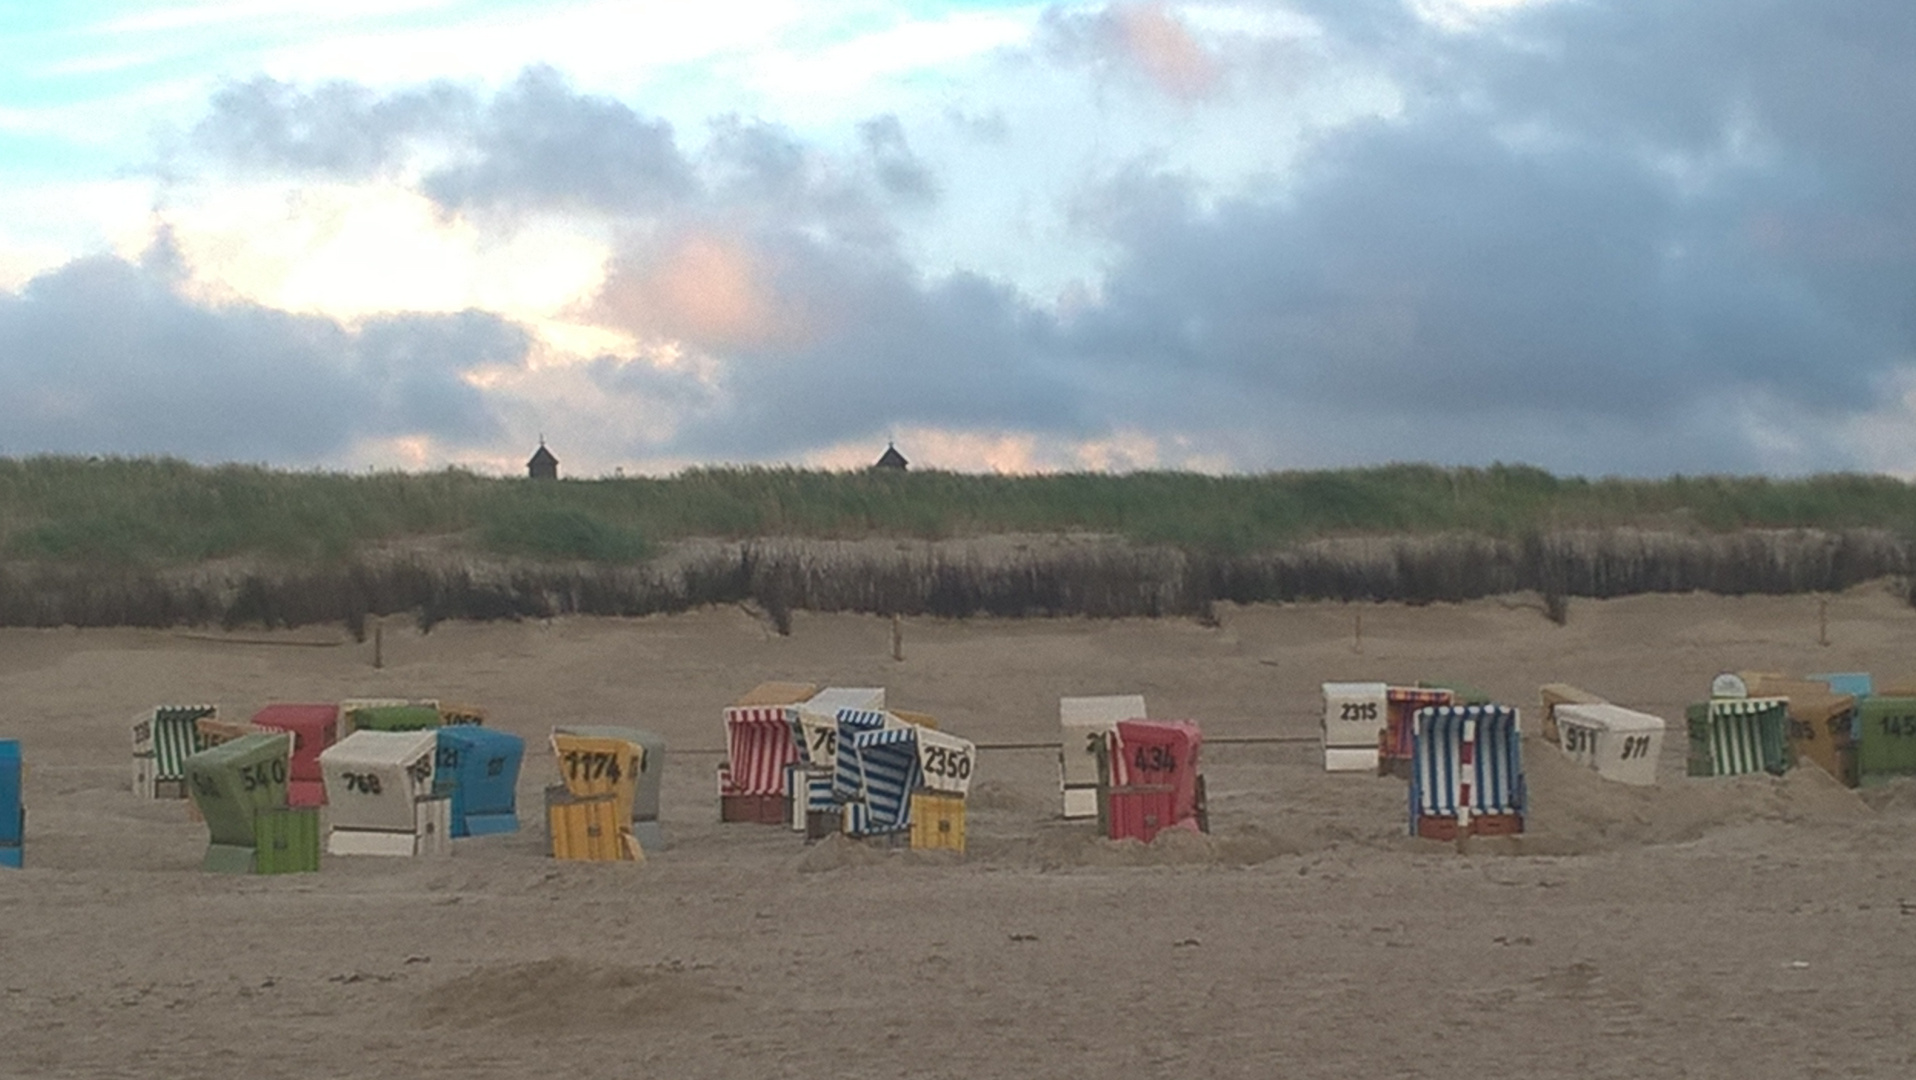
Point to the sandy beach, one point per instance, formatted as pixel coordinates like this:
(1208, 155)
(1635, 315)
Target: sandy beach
(1751, 927)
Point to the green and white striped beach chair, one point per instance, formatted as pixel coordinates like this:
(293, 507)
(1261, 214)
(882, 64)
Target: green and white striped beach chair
(162, 741)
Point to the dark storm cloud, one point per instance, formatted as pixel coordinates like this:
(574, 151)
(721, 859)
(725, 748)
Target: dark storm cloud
(534, 143)
(1598, 227)
(540, 143)
(105, 356)
(883, 349)
(1596, 236)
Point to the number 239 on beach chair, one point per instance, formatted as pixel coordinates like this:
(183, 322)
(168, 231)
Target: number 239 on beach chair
(1466, 772)
(1085, 724)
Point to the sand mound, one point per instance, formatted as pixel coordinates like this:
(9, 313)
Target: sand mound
(837, 851)
(1574, 811)
(566, 994)
(1896, 797)
(999, 795)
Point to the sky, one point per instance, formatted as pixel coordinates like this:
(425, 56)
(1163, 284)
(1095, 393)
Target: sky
(1602, 237)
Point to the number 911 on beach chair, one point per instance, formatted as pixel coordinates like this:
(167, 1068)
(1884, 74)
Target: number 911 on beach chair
(1466, 772)
(1617, 743)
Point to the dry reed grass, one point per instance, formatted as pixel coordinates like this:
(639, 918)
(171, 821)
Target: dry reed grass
(1003, 576)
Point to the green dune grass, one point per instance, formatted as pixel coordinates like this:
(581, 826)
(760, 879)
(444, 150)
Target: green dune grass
(164, 512)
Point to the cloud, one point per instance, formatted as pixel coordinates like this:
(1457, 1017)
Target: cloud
(540, 142)
(1600, 237)
(703, 288)
(1146, 40)
(536, 142)
(106, 356)
(899, 170)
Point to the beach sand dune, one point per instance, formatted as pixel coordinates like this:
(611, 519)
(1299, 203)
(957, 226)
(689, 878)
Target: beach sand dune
(1751, 927)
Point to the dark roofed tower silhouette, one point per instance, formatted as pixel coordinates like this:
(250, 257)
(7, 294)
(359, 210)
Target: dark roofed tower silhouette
(891, 459)
(542, 466)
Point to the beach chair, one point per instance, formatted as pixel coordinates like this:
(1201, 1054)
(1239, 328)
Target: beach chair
(477, 769)
(1551, 695)
(162, 741)
(1617, 743)
(1738, 736)
(759, 745)
(313, 728)
(1466, 772)
(1087, 724)
(808, 788)
(1885, 739)
(1396, 745)
(379, 794)
(232, 784)
(1154, 780)
(876, 773)
(1353, 719)
(645, 794)
(13, 813)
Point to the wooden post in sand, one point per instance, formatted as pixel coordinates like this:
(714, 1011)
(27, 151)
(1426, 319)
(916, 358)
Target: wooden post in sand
(1822, 620)
(1357, 635)
(379, 644)
(897, 638)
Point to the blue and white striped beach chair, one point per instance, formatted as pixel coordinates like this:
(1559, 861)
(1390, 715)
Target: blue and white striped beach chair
(1467, 764)
(877, 772)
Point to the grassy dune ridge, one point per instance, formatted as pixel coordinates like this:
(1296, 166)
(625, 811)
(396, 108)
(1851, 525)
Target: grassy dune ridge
(163, 542)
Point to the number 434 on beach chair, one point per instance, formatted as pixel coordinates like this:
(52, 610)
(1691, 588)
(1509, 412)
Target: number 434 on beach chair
(1149, 780)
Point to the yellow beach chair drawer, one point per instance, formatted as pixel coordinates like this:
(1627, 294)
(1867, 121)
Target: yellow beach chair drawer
(937, 822)
(593, 829)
